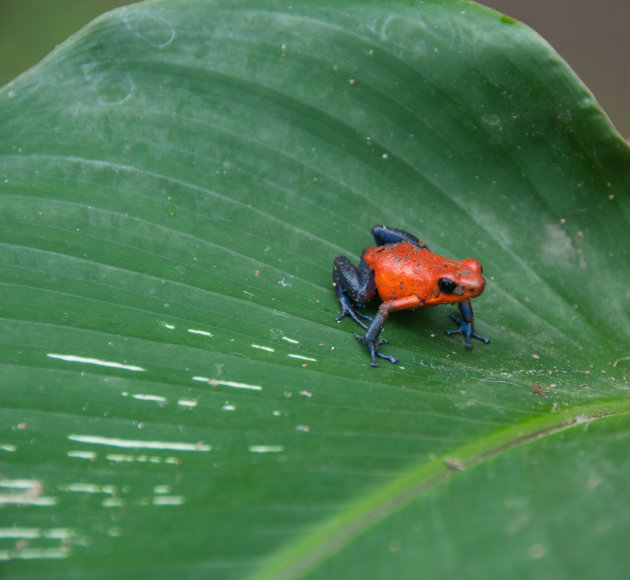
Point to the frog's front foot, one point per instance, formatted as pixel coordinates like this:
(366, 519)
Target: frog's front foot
(372, 345)
(466, 328)
(348, 309)
(466, 324)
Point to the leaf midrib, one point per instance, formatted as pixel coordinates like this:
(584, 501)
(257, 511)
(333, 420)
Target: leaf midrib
(331, 536)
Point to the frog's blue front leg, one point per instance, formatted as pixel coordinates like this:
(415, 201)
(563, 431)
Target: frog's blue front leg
(371, 338)
(466, 324)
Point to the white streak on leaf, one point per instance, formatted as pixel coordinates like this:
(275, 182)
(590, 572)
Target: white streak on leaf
(300, 357)
(112, 502)
(233, 384)
(200, 332)
(81, 487)
(169, 500)
(82, 455)
(266, 448)
(267, 348)
(154, 398)
(27, 499)
(137, 444)
(28, 533)
(34, 554)
(95, 361)
(190, 403)
(20, 483)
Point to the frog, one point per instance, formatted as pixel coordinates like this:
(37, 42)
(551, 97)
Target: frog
(406, 275)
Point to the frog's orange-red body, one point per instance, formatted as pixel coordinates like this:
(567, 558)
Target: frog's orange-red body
(403, 270)
(406, 275)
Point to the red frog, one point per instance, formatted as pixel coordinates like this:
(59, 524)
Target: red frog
(406, 275)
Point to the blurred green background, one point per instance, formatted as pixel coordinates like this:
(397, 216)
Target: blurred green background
(589, 34)
(30, 29)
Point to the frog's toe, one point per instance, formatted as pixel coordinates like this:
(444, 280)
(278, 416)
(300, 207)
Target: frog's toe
(391, 359)
(347, 309)
(364, 316)
(372, 346)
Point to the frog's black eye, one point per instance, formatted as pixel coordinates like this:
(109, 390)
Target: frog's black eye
(446, 285)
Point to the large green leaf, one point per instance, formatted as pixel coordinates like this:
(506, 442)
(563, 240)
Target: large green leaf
(175, 182)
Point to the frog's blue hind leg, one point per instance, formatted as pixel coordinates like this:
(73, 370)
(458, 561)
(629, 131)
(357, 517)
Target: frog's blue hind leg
(384, 235)
(355, 287)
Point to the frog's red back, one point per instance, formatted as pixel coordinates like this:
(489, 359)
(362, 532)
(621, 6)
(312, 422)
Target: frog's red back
(402, 270)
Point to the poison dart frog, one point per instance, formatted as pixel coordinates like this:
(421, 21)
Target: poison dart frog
(407, 276)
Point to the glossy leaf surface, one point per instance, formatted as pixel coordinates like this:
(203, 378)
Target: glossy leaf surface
(175, 182)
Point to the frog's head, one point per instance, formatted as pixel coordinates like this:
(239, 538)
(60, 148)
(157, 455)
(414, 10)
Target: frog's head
(456, 284)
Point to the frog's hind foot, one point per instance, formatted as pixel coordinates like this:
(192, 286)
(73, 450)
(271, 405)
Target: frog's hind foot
(348, 309)
(384, 235)
(372, 346)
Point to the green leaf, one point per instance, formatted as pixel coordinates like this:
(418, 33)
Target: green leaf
(176, 180)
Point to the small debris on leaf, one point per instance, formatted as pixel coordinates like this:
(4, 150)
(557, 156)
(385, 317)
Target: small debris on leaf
(538, 390)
